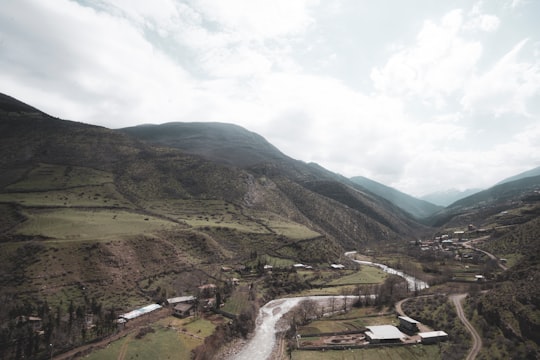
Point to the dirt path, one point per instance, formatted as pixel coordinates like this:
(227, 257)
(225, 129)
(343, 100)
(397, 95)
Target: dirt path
(123, 350)
(470, 245)
(477, 340)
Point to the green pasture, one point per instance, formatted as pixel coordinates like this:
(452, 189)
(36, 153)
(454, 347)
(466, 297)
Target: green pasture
(206, 213)
(237, 302)
(76, 224)
(413, 352)
(366, 275)
(85, 196)
(173, 339)
(291, 230)
(51, 177)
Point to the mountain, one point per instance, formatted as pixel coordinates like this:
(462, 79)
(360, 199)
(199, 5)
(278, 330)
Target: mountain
(503, 204)
(416, 207)
(525, 174)
(225, 143)
(89, 212)
(447, 197)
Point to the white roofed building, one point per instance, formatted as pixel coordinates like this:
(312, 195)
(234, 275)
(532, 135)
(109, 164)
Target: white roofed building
(384, 334)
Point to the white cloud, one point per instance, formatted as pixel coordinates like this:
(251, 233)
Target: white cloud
(267, 66)
(436, 66)
(506, 87)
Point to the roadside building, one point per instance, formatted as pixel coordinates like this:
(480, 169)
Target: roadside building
(379, 334)
(432, 337)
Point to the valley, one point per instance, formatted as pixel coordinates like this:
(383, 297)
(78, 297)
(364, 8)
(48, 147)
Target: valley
(98, 222)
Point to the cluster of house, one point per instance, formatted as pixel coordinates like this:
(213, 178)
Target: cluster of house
(182, 306)
(407, 329)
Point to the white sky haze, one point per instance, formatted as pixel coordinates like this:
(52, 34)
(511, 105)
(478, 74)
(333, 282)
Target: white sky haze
(420, 95)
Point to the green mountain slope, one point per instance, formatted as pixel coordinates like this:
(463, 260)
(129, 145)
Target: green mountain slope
(226, 143)
(418, 208)
(485, 207)
(92, 212)
(525, 174)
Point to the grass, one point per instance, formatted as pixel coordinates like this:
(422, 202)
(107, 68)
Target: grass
(50, 177)
(415, 352)
(237, 302)
(354, 319)
(173, 339)
(291, 230)
(77, 224)
(367, 275)
(85, 196)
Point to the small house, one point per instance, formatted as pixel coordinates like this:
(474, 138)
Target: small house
(183, 310)
(337, 266)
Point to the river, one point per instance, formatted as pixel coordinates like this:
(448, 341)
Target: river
(262, 343)
(260, 346)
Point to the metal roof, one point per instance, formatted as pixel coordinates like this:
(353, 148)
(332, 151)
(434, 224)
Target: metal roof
(180, 299)
(138, 312)
(408, 319)
(431, 334)
(384, 332)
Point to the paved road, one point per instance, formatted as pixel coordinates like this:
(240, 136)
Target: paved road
(477, 340)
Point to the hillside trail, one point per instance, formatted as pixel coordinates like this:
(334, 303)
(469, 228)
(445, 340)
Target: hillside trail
(477, 340)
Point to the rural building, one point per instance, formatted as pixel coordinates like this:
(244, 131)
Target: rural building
(183, 310)
(337, 266)
(138, 312)
(182, 299)
(432, 337)
(480, 278)
(408, 324)
(384, 334)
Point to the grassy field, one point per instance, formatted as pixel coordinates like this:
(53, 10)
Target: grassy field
(51, 177)
(76, 224)
(237, 302)
(354, 319)
(172, 339)
(367, 275)
(85, 196)
(415, 352)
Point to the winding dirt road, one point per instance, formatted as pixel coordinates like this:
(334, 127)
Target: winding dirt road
(477, 340)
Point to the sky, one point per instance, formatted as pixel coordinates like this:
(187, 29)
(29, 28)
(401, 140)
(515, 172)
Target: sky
(420, 95)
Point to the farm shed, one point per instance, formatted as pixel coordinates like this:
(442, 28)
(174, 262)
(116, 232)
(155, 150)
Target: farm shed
(183, 309)
(139, 312)
(181, 299)
(408, 324)
(432, 337)
(384, 334)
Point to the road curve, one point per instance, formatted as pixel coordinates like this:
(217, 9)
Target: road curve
(477, 340)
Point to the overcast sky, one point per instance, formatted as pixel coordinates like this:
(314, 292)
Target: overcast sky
(419, 95)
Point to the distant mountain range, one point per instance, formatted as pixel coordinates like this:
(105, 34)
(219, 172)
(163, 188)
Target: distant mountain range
(447, 197)
(416, 207)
